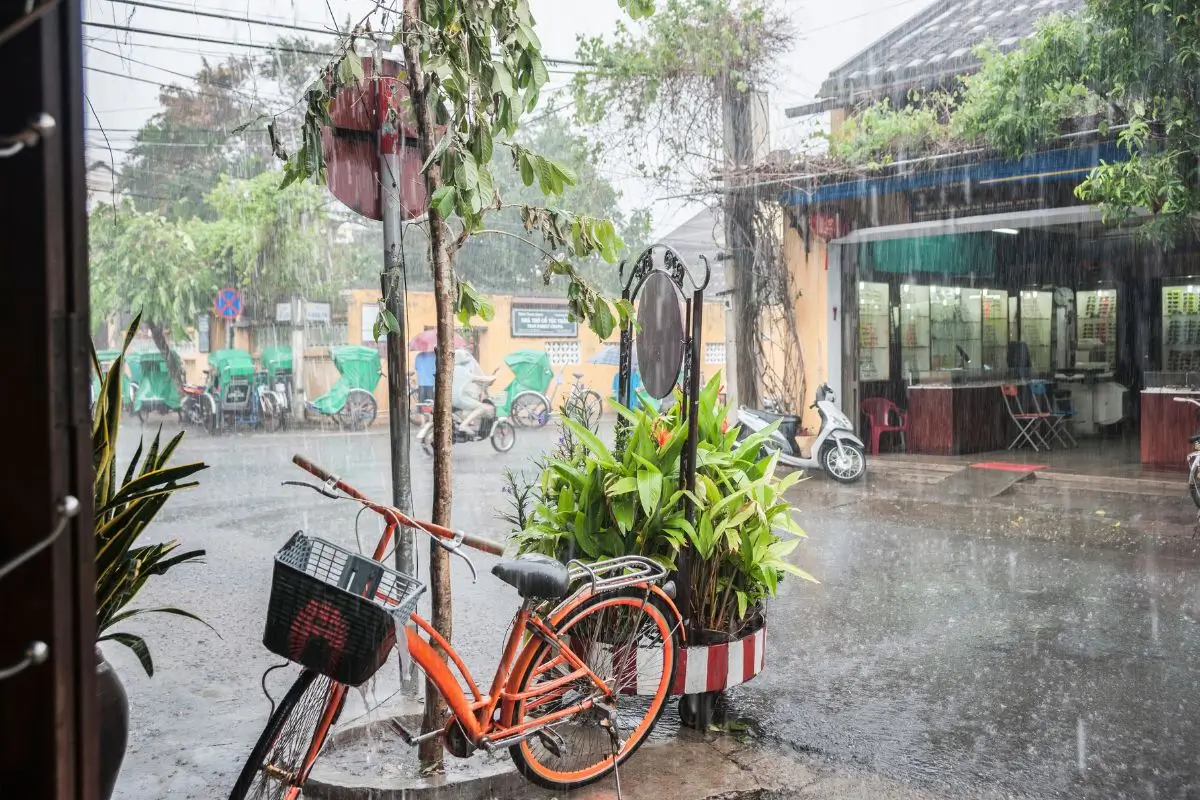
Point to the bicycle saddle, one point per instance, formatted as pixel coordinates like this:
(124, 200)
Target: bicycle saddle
(1194, 439)
(578, 375)
(535, 575)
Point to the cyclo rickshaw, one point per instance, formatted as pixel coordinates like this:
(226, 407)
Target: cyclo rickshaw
(238, 394)
(277, 362)
(153, 390)
(525, 401)
(351, 401)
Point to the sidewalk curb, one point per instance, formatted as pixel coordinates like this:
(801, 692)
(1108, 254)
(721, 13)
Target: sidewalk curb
(913, 471)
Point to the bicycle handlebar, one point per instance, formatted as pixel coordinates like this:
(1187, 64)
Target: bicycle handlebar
(470, 540)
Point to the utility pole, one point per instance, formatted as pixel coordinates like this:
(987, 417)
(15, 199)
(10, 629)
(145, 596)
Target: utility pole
(741, 242)
(393, 286)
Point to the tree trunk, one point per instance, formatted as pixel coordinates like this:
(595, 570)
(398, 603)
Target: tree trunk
(741, 241)
(443, 290)
(174, 366)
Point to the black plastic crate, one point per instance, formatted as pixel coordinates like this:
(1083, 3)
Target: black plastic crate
(333, 611)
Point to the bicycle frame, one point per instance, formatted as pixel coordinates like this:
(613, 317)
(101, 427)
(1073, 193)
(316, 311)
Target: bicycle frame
(476, 714)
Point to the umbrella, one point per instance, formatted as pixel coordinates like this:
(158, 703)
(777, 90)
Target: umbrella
(426, 341)
(610, 354)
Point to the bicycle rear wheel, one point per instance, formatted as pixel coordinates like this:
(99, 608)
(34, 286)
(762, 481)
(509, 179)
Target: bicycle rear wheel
(628, 641)
(280, 762)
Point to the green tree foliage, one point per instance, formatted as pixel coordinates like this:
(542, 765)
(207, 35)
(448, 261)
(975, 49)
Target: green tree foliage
(1123, 65)
(268, 241)
(657, 89)
(146, 263)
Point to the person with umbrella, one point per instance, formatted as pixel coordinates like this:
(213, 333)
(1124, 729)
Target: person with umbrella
(425, 362)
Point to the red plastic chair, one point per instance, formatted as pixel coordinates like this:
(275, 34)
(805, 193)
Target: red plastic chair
(879, 411)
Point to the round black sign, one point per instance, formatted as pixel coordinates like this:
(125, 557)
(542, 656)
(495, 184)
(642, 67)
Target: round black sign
(660, 340)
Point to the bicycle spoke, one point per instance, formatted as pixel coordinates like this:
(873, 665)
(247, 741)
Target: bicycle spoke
(285, 758)
(625, 646)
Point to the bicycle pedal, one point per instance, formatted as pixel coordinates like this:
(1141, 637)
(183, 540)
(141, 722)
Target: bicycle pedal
(552, 742)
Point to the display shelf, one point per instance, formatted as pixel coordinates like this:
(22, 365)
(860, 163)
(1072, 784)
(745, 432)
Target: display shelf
(914, 328)
(995, 328)
(955, 320)
(1037, 317)
(1181, 327)
(1096, 322)
(874, 341)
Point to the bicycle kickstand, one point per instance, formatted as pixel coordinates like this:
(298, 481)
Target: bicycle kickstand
(615, 740)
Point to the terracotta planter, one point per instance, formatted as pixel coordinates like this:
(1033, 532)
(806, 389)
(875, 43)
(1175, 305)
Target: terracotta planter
(113, 706)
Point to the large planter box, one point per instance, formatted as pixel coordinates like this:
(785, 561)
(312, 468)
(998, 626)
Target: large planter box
(717, 667)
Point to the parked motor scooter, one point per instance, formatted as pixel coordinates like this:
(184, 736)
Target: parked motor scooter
(836, 450)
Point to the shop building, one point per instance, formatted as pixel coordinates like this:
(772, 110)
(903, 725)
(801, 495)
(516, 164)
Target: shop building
(951, 280)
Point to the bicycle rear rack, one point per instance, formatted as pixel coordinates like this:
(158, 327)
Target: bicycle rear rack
(616, 573)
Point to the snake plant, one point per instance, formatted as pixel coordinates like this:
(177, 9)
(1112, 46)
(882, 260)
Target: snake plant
(125, 504)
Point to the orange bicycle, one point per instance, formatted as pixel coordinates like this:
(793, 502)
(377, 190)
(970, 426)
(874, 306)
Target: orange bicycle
(584, 675)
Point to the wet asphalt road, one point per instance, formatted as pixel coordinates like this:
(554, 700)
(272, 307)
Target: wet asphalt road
(1038, 653)
(992, 648)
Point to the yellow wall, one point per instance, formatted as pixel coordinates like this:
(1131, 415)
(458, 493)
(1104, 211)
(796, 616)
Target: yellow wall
(810, 282)
(496, 340)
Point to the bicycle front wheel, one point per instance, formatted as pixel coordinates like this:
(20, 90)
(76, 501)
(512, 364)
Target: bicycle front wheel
(628, 641)
(281, 760)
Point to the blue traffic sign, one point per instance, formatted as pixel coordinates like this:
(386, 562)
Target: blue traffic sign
(228, 303)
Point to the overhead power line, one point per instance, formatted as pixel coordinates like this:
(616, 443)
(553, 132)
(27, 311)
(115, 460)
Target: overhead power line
(230, 18)
(248, 21)
(187, 37)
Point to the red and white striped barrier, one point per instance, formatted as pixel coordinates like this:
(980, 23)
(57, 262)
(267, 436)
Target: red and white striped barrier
(716, 667)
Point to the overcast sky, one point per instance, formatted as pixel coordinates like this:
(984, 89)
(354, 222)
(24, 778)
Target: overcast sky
(830, 33)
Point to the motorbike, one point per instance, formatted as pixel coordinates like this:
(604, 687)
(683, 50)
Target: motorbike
(836, 450)
(488, 425)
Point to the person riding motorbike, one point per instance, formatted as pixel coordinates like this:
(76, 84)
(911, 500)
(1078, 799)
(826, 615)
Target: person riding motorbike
(470, 390)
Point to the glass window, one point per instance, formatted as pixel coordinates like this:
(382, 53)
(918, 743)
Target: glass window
(874, 351)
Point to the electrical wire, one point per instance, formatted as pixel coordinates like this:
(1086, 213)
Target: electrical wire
(294, 27)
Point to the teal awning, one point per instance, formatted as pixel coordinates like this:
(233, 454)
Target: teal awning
(960, 254)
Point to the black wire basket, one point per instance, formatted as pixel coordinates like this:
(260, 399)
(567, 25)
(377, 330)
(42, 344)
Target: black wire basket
(333, 611)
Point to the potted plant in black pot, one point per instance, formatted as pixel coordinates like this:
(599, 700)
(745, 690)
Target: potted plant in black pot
(125, 504)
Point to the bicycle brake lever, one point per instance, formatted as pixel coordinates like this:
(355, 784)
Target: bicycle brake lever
(455, 548)
(318, 489)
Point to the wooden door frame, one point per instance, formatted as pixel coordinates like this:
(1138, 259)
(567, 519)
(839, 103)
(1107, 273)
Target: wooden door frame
(49, 733)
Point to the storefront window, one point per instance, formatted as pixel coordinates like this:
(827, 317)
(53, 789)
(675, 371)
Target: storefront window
(914, 328)
(874, 352)
(1096, 335)
(995, 328)
(955, 322)
(1037, 311)
(1181, 328)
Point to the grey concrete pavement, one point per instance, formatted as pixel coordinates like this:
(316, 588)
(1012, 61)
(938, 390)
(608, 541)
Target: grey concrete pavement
(1017, 646)
(1044, 654)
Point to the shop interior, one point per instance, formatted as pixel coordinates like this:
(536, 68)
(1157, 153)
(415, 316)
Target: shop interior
(1105, 317)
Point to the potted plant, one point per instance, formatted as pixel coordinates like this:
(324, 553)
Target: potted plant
(591, 503)
(125, 504)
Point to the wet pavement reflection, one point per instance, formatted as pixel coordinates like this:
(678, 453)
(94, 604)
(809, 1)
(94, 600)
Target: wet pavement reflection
(971, 648)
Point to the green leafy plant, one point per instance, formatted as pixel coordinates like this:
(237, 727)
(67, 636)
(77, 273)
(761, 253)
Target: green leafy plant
(594, 503)
(124, 506)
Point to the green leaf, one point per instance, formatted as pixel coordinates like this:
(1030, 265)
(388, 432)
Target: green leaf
(591, 441)
(526, 167)
(601, 320)
(438, 149)
(649, 483)
(443, 200)
(390, 323)
(135, 643)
